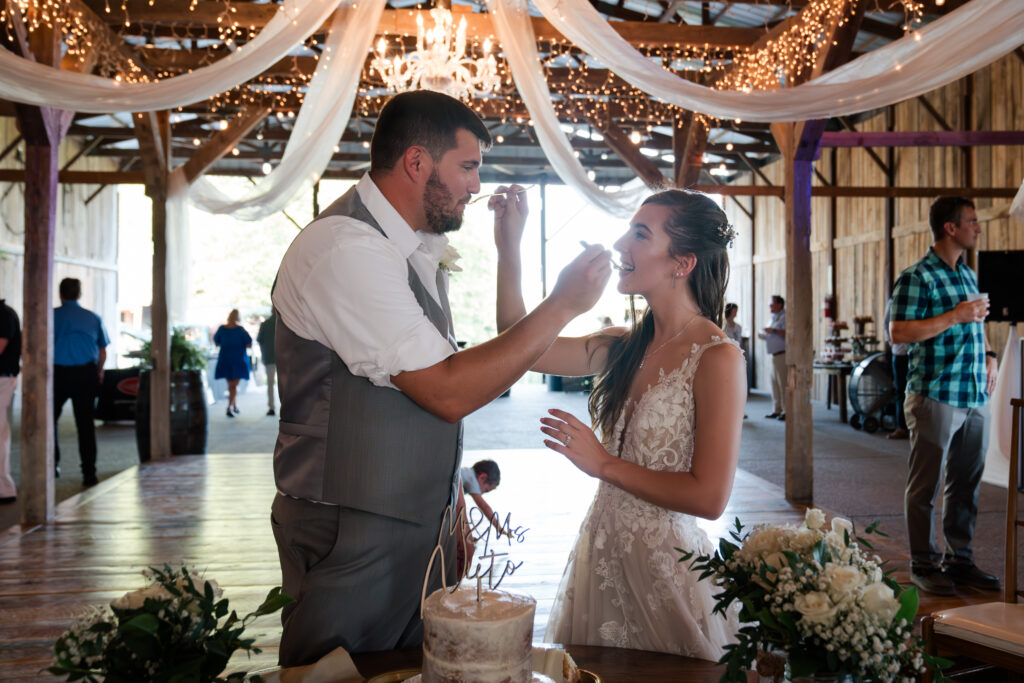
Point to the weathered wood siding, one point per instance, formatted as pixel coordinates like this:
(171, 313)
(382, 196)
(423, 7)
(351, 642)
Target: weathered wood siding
(991, 99)
(86, 238)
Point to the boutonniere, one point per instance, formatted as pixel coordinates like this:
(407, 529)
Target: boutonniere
(449, 260)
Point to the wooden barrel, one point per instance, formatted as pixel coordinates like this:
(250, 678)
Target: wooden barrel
(188, 414)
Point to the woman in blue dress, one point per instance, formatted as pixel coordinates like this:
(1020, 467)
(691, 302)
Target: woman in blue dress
(232, 362)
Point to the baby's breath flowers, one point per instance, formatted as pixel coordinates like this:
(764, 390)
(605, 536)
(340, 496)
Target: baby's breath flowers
(814, 595)
(171, 630)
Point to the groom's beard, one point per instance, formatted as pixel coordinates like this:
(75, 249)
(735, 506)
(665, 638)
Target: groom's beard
(437, 199)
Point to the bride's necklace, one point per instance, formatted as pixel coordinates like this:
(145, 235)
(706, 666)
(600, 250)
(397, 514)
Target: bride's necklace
(662, 344)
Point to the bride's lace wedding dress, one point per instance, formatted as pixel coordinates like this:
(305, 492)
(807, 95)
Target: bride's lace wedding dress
(623, 585)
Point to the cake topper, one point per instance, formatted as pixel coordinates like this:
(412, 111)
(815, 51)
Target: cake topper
(489, 557)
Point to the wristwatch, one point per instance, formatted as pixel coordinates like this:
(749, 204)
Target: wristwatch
(992, 354)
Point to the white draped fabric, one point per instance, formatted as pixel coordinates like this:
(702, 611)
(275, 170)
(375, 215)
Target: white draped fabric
(1017, 206)
(515, 33)
(1008, 385)
(940, 52)
(321, 121)
(22, 80)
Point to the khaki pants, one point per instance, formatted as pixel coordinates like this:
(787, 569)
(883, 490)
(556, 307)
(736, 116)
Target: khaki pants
(779, 383)
(271, 369)
(950, 441)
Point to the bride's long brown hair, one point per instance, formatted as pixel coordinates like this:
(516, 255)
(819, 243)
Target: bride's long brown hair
(696, 225)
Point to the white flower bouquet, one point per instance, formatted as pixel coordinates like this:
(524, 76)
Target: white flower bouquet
(812, 594)
(169, 631)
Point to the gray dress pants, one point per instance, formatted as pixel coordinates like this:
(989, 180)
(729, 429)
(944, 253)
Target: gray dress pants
(356, 578)
(954, 440)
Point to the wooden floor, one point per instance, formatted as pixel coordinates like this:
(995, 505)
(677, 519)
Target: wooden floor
(212, 512)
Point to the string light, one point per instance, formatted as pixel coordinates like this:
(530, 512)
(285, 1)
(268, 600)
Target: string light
(578, 92)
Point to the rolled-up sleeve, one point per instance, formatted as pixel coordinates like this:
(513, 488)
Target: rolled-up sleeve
(360, 305)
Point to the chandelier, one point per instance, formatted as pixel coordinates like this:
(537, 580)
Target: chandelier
(440, 62)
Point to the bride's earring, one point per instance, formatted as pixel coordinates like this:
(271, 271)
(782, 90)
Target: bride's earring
(675, 276)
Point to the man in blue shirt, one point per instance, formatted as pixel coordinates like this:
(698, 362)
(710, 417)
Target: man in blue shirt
(79, 352)
(10, 366)
(939, 313)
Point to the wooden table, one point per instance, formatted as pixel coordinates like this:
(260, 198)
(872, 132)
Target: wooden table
(837, 374)
(610, 664)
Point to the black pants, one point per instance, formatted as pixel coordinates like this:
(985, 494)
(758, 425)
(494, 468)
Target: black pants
(81, 384)
(899, 370)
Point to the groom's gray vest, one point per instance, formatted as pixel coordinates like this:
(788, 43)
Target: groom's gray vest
(344, 440)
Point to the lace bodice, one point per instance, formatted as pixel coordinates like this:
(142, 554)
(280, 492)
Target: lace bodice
(623, 585)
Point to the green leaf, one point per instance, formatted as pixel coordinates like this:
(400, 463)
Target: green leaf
(275, 600)
(908, 605)
(144, 622)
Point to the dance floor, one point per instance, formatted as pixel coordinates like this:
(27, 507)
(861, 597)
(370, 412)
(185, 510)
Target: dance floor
(212, 512)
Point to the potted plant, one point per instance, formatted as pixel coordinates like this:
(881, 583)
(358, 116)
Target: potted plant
(188, 398)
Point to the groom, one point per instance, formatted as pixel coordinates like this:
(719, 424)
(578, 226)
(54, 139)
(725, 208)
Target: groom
(373, 387)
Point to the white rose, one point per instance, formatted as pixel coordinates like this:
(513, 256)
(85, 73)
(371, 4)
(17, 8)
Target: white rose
(137, 599)
(843, 579)
(814, 519)
(815, 607)
(803, 540)
(761, 541)
(840, 524)
(880, 601)
(449, 259)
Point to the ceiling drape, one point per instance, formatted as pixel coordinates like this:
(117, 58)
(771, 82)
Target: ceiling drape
(945, 50)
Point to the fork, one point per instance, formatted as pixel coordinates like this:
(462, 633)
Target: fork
(474, 200)
(616, 266)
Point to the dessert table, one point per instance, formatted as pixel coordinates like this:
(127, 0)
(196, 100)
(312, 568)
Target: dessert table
(610, 664)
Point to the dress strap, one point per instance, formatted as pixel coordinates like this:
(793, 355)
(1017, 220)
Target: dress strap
(697, 350)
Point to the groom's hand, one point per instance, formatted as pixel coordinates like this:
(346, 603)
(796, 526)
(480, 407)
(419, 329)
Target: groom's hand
(581, 283)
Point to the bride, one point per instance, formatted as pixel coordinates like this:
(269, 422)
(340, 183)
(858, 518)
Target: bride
(668, 405)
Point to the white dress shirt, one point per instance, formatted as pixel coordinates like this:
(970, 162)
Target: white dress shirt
(776, 343)
(346, 286)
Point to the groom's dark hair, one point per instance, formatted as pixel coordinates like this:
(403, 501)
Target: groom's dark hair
(424, 118)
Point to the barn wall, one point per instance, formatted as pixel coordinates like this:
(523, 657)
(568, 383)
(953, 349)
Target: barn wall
(991, 99)
(86, 233)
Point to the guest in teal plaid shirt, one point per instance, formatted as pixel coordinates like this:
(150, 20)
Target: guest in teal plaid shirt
(938, 312)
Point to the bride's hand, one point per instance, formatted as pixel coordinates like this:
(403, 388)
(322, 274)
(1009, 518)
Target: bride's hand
(510, 210)
(576, 441)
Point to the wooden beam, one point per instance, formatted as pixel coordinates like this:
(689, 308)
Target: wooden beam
(153, 131)
(871, 153)
(619, 143)
(117, 53)
(43, 129)
(83, 151)
(933, 138)
(225, 140)
(211, 16)
(17, 175)
(874, 191)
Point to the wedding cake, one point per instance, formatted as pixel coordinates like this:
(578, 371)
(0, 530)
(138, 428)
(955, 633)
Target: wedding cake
(482, 641)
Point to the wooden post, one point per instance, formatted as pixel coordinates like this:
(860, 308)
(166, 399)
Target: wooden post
(37, 429)
(799, 143)
(42, 128)
(153, 130)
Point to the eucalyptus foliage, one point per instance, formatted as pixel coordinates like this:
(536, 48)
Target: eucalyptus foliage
(815, 597)
(176, 630)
